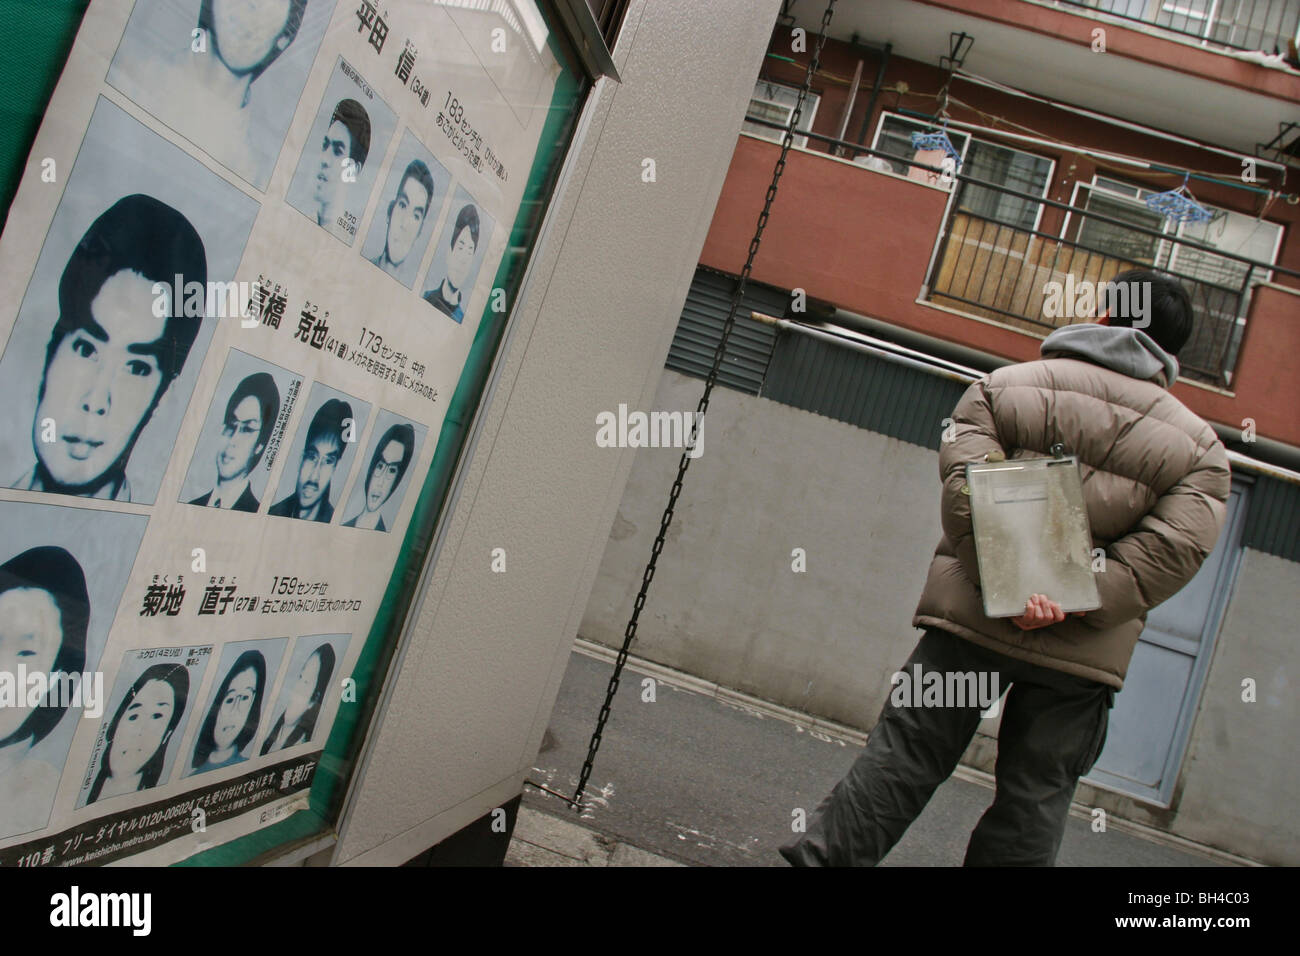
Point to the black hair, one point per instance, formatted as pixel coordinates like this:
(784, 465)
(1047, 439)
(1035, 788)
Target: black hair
(353, 115)
(306, 724)
(404, 435)
(261, 386)
(203, 747)
(56, 572)
(468, 216)
(416, 170)
(290, 30)
(138, 234)
(328, 423)
(1169, 308)
(178, 678)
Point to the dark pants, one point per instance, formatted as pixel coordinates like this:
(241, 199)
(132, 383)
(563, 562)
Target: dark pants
(1053, 729)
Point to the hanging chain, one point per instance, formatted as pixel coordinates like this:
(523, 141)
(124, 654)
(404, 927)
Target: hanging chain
(718, 353)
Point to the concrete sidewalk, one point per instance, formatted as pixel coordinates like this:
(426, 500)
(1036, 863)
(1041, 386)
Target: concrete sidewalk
(692, 774)
(544, 840)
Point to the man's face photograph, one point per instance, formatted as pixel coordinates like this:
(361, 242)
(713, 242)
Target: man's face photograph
(240, 433)
(247, 30)
(319, 459)
(101, 383)
(383, 478)
(406, 219)
(335, 148)
(461, 258)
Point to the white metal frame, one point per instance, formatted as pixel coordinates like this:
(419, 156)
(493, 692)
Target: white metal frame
(811, 102)
(952, 193)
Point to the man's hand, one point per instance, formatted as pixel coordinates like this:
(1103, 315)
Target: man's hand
(1039, 612)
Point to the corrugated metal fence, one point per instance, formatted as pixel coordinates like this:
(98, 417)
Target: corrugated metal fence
(863, 390)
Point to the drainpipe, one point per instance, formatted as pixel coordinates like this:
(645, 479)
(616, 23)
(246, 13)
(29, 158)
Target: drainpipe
(875, 92)
(848, 108)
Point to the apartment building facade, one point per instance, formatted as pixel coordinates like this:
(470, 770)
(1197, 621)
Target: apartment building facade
(895, 268)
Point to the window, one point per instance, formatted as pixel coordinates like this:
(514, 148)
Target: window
(990, 162)
(1230, 231)
(1117, 200)
(1023, 172)
(774, 102)
(894, 136)
(1215, 283)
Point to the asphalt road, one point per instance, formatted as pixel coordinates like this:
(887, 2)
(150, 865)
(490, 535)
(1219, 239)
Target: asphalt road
(710, 783)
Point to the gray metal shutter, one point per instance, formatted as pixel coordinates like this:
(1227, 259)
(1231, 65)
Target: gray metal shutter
(869, 392)
(700, 330)
(1273, 518)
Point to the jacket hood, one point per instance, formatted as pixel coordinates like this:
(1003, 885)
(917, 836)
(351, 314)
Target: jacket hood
(1129, 351)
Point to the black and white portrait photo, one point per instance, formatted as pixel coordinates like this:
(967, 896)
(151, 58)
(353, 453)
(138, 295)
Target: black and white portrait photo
(104, 354)
(62, 573)
(316, 466)
(236, 705)
(403, 224)
(231, 465)
(344, 150)
(386, 474)
(141, 729)
(225, 74)
(458, 256)
(312, 684)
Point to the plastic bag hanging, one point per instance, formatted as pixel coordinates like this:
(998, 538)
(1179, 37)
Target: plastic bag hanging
(1178, 205)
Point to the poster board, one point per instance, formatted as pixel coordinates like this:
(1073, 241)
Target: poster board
(1031, 534)
(242, 286)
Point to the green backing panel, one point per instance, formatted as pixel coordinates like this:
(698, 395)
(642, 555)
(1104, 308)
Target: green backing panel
(34, 45)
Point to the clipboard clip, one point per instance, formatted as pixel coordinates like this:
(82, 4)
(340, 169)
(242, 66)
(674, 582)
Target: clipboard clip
(1058, 450)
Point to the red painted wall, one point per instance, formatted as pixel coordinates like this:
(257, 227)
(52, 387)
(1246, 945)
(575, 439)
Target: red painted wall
(862, 240)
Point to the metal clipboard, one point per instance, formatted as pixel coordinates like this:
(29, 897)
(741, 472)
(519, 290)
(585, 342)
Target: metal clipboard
(1031, 534)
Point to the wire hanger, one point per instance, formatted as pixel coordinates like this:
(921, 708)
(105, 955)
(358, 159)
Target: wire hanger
(937, 140)
(1178, 205)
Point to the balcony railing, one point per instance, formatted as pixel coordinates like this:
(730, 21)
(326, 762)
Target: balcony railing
(1001, 272)
(986, 268)
(1251, 25)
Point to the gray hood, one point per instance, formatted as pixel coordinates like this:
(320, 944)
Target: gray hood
(1129, 351)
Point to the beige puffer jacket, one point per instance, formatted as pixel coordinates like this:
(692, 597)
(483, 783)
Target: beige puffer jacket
(1155, 481)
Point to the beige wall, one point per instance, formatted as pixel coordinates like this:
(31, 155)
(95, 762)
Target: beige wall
(726, 607)
(725, 604)
(477, 678)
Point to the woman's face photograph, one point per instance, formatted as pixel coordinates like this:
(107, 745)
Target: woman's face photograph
(30, 635)
(303, 688)
(142, 729)
(247, 30)
(233, 711)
